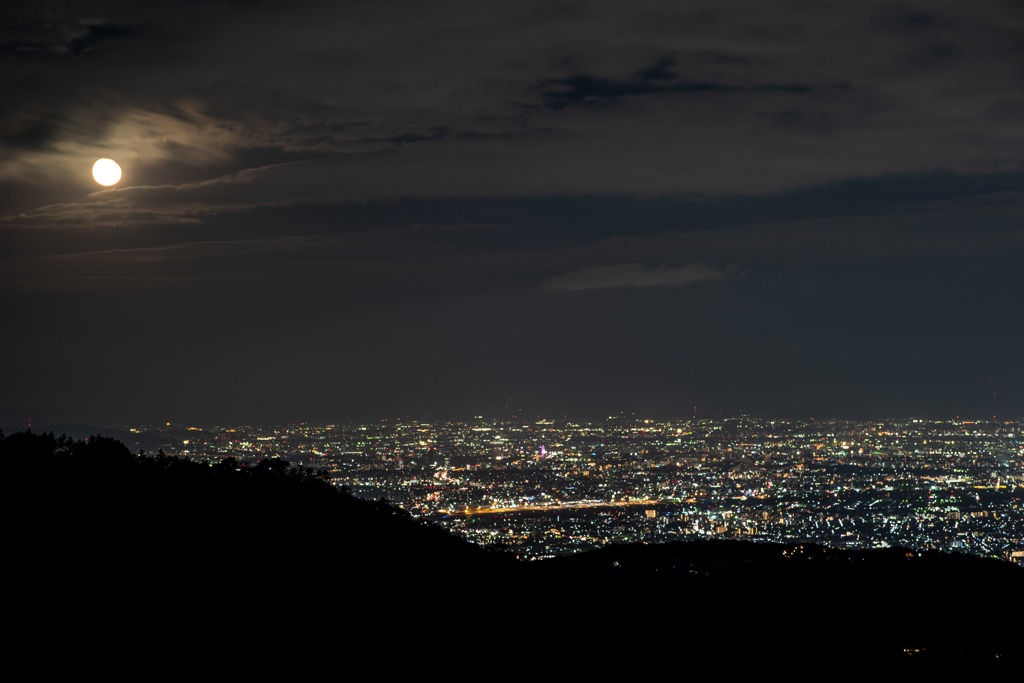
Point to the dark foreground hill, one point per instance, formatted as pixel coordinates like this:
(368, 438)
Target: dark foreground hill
(124, 561)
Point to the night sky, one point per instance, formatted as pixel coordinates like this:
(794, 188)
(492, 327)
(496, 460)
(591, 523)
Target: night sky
(350, 210)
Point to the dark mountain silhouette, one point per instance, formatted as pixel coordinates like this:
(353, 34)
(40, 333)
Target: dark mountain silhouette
(161, 558)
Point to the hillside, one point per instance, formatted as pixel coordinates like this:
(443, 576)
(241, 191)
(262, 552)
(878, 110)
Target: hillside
(178, 549)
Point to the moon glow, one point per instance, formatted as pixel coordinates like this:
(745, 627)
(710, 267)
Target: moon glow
(106, 172)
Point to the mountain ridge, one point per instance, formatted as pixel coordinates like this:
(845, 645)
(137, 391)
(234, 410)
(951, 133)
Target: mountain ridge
(104, 530)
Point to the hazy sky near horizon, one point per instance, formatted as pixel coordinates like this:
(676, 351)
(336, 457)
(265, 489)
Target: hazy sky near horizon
(333, 210)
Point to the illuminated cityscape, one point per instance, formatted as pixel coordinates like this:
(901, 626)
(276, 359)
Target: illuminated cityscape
(539, 488)
(397, 337)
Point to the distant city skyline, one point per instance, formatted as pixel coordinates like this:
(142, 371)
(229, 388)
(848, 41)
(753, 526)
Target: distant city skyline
(540, 488)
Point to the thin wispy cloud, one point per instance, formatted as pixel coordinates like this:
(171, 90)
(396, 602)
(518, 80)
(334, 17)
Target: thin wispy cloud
(635, 275)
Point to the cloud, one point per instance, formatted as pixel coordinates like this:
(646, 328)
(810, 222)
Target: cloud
(568, 124)
(693, 98)
(588, 89)
(634, 275)
(68, 38)
(138, 137)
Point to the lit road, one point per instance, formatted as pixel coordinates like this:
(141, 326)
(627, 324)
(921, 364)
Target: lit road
(544, 508)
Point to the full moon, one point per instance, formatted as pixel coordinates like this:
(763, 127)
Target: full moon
(106, 171)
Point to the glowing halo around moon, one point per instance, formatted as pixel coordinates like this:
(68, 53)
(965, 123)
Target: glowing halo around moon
(106, 172)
